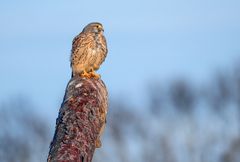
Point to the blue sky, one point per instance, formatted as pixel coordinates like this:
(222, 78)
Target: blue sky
(147, 40)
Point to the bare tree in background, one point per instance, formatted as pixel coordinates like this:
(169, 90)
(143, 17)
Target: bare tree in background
(24, 134)
(208, 133)
(182, 95)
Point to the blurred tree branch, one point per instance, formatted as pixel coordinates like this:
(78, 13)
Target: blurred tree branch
(23, 133)
(79, 123)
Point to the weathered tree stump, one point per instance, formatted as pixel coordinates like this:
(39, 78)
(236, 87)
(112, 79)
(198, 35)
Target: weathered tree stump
(79, 121)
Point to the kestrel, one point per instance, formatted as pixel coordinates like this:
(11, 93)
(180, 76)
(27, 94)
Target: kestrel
(89, 50)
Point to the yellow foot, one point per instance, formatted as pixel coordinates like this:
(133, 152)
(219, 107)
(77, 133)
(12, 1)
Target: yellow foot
(85, 75)
(94, 75)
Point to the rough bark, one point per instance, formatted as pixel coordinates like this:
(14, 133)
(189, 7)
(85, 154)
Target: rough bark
(78, 123)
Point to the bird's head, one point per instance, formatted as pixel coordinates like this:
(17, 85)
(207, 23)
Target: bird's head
(94, 27)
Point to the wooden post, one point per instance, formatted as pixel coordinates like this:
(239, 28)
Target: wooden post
(79, 121)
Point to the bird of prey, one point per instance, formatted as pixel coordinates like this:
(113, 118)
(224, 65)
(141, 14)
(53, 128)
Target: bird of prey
(89, 50)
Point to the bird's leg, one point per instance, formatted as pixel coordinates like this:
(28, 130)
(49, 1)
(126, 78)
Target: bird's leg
(85, 74)
(98, 143)
(93, 74)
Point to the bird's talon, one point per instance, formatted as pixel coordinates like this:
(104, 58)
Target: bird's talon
(85, 75)
(94, 75)
(91, 74)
